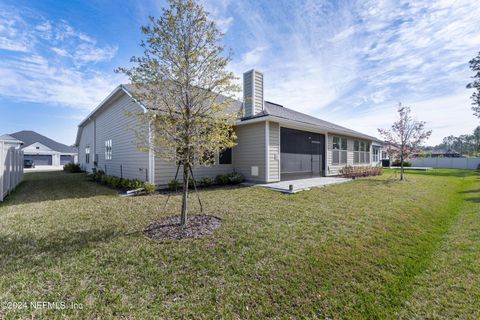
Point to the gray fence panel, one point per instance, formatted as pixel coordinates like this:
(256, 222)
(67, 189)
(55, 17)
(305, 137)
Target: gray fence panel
(11, 169)
(447, 163)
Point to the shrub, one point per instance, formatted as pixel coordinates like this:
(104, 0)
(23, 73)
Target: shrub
(104, 179)
(190, 183)
(396, 163)
(115, 182)
(360, 171)
(173, 185)
(206, 181)
(124, 183)
(97, 175)
(222, 179)
(149, 187)
(136, 184)
(235, 178)
(72, 167)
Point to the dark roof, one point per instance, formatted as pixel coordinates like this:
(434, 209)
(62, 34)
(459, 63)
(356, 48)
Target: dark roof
(276, 110)
(30, 137)
(270, 109)
(236, 106)
(279, 111)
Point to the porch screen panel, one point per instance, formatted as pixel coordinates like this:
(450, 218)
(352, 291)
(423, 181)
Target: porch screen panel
(297, 150)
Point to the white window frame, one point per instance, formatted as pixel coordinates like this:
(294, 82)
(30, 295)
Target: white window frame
(376, 154)
(87, 153)
(108, 149)
(340, 150)
(363, 152)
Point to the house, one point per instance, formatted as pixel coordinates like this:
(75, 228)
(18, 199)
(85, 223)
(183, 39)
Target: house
(44, 151)
(438, 153)
(274, 142)
(10, 141)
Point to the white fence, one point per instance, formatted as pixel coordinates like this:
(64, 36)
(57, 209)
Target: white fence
(451, 163)
(11, 168)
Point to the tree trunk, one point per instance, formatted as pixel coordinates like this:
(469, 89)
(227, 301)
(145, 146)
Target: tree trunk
(183, 217)
(401, 167)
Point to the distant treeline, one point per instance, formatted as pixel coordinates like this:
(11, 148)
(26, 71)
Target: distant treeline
(465, 144)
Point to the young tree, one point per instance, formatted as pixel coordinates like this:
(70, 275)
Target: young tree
(475, 66)
(183, 82)
(405, 137)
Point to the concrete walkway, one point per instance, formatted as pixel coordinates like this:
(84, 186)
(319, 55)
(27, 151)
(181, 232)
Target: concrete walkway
(302, 184)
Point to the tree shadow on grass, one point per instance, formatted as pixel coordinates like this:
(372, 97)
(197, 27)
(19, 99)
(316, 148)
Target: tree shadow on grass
(471, 191)
(473, 199)
(51, 186)
(444, 173)
(24, 252)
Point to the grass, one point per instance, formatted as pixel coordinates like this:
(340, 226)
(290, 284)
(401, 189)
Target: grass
(372, 248)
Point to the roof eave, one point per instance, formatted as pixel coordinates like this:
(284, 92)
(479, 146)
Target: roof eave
(99, 107)
(307, 126)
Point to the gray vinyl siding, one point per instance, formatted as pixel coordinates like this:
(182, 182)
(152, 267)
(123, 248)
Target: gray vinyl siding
(248, 95)
(253, 92)
(165, 171)
(119, 122)
(335, 169)
(258, 100)
(86, 138)
(274, 152)
(250, 151)
(115, 123)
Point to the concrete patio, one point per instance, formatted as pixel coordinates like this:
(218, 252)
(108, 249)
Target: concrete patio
(302, 184)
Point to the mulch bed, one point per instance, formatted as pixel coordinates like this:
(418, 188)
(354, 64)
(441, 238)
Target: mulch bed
(169, 228)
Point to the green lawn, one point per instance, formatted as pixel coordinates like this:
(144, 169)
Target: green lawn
(373, 248)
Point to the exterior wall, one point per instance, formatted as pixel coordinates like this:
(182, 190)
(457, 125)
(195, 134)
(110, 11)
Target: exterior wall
(165, 171)
(116, 122)
(86, 138)
(335, 169)
(250, 151)
(273, 152)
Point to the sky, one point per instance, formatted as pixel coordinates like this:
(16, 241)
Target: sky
(348, 62)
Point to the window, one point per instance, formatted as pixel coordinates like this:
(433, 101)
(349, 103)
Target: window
(108, 150)
(356, 151)
(367, 152)
(87, 154)
(225, 157)
(361, 152)
(376, 155)
(339, 153)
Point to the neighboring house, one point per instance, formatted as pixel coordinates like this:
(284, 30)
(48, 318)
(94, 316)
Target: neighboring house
(10, 141)
(438, 153)
(274, 143)
(43, 150)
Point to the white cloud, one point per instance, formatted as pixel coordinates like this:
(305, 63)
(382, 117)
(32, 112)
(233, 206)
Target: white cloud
(51, 62)
(86, 53)
(11, 36)
(218, 9)
(35, 79)
(444, 115)
(347, 57)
